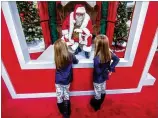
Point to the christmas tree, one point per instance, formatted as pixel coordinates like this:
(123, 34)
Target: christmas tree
(121, 31)
(30, 20)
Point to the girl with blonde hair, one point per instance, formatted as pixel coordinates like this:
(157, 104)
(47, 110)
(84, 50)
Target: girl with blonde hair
(102, 69)
(63, 77)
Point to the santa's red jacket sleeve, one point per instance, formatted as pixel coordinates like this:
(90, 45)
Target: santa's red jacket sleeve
(88, 29)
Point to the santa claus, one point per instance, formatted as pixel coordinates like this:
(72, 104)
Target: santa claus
(77, 31)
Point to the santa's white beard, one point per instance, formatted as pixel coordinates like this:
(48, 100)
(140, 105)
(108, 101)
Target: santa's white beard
(78, 23)
(79, 20)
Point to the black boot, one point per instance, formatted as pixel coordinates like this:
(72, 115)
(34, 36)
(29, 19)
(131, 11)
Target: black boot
(67, 109)
(95, 104)
(79, 49)
(87, 55)
(61, 107)
(103, 97)
(76, 51)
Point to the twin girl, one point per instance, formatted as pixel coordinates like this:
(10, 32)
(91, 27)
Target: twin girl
(102, 69)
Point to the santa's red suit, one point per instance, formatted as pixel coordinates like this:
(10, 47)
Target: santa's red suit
(84, 30)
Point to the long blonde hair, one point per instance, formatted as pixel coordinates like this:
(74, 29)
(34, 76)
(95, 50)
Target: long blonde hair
(102, 48)
(62, 56)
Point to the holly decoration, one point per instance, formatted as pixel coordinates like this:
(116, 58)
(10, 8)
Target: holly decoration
(30, 20)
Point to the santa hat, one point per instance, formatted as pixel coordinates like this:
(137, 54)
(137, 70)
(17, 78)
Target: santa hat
(79, 9)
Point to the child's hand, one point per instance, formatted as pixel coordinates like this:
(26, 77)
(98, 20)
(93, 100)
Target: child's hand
(78, 30)
(110, 73)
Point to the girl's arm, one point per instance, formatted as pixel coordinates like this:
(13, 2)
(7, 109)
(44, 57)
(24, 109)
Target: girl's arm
(115, 59)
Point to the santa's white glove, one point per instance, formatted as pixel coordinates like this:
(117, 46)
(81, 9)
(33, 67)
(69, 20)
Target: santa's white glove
(78, 30)
(75, 46)
(83, 42)
(71, 41)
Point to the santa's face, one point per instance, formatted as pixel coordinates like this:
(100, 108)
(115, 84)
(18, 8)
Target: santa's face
(79, 18)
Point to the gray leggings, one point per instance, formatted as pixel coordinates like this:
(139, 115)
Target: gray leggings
(62, 92)
(99, 89)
